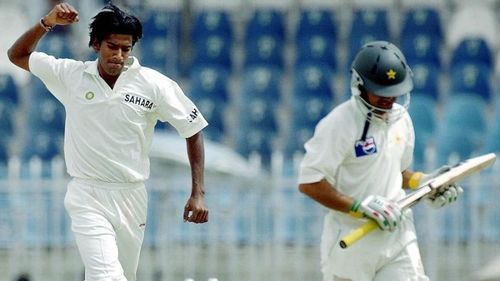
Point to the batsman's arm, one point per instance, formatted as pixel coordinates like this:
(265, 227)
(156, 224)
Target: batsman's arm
(327, 195)
(22, 48)
(324, 193)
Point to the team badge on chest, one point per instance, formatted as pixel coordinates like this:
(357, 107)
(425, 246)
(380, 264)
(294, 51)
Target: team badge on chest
(365, 147)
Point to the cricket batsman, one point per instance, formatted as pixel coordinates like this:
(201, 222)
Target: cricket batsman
(357, 164)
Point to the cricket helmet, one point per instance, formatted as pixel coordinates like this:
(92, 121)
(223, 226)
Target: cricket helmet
(381, 68)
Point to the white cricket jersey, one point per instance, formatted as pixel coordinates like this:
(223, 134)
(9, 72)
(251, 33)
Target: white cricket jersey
(108, 131)
(355, 167)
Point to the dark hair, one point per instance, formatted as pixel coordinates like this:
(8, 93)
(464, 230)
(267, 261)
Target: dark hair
(112, 20)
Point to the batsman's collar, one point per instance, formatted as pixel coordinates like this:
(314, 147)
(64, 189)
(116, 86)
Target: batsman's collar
(131, 63)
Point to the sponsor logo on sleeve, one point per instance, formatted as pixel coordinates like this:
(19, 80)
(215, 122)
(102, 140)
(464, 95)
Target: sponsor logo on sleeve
(193, 115)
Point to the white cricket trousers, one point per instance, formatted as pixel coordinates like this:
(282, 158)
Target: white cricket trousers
(108, 221)
(379, 256)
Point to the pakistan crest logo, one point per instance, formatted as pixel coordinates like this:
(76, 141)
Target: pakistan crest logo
(89, 95)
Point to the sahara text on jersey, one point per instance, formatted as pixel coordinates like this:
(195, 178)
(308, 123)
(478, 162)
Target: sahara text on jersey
(139, 101)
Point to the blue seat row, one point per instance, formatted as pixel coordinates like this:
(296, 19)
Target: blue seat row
(259, 94)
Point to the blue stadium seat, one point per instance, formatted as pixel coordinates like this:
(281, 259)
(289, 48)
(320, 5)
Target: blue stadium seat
(56, 45)
(367, 24)
(367, 21)
(209, 82)
(313, 22)
(426, 79)
(211, 22)
(462, 128)
(453, 145)
(297, 137)
(466, 113)
(161, 22)
(425, 20)
(420, 155)
(7, 119)
(262, 82)
(312, 99)
(8, 88)
(374, 20)
(42, 144)
(4, 153)
(305, 113)
(214, 113)
(212, 50)
(319, 49)
(265, 50)
(257, 120)
(265, 21)
(159, 47)
(39, 91)
(257, 123)
(421, 48)
(312, 80)
(211, 38)
(47, 115)
(160, 53)
(257, 113)
(259, 141)
(472, 50)
(423, 110)
(308, 111)
(209, 91)
(474, 79)
(492, 138)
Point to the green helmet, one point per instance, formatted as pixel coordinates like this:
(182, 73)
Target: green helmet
(381, 68)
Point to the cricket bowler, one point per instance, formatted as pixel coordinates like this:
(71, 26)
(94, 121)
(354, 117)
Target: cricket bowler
(112, 105)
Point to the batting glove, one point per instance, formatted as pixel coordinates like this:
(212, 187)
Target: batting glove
(445, 195)
(385, 212)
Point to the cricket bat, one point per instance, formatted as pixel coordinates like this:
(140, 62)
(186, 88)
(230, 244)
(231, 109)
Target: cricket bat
(455, 174)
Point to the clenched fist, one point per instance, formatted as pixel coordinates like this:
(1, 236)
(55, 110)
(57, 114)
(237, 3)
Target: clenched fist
(61, 14)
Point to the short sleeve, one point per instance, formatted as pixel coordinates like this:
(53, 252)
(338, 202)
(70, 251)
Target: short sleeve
(178, 110)
(53, 72)
(325, 152)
